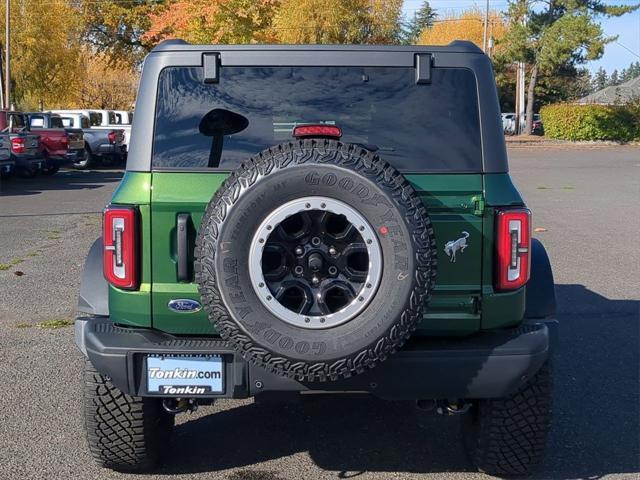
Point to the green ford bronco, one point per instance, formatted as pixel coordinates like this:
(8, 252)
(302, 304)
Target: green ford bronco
(309, 219)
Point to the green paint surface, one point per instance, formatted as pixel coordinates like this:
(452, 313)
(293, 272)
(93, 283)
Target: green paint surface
(463, 300)
(134, 307)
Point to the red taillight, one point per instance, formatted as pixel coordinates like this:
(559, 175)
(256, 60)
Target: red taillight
(65, 141)
(321, 130)
(112, 137)
(17, 145)
(120, 240)
(513, 254)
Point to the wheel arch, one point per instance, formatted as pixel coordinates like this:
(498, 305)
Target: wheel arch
(94, 289)
(540, 290)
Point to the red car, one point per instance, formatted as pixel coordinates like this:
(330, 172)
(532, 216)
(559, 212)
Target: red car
(60, 145)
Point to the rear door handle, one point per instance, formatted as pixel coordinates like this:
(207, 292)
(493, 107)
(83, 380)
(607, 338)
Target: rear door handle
(182, 228)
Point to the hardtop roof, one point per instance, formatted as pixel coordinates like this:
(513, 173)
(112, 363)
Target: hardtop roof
(458, 46)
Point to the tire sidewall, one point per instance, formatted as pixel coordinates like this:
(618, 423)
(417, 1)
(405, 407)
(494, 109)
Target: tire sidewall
(233, 218)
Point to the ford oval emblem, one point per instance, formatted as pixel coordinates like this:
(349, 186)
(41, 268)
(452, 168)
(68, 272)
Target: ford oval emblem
(184, 305)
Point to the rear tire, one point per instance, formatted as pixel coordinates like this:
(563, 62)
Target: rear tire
(124, 433)
(87, 162)
(50, 170)
(506, 437)
(28, 172)
(109, 160)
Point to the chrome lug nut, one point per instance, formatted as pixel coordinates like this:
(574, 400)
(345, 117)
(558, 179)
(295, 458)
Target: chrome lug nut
(332, 250)
(315, 280)
(299, 251)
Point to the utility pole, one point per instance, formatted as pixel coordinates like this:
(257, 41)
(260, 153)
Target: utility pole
(520, 94)
(485, 37)
(521, 75)
(1, 83)
(7, 59)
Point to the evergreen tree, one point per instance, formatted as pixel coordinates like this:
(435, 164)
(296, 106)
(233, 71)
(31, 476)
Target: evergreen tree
(633, 71)
(423, 19)
(556, 32)
(613, 79)
(624, 75)
(600, 79)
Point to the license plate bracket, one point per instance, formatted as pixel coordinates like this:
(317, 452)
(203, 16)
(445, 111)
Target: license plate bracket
(179, 375)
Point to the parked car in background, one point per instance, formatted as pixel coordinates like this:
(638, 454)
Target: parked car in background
(538, 127)
(102, 146)
(26, 152)
(60, 145)
(109, 118)
(98, 120)
(508, 123)
(7, 164)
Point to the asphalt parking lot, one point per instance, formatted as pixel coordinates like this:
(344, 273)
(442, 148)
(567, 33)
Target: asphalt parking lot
(585, 200)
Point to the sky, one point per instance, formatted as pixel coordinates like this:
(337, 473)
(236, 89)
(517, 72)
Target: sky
(618, 55)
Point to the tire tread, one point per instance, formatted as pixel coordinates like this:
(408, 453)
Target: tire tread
(124, 432)
(365, 163)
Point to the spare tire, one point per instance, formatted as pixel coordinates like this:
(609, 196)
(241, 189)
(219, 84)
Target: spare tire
(315, 259)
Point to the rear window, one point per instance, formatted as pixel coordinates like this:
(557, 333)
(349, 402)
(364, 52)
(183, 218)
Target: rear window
(95, 119)
(432, 127)
(36, 122)
(56, 122)
(16, 120)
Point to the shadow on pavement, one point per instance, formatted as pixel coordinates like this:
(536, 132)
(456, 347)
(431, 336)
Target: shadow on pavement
(63, 180)
(596, 414)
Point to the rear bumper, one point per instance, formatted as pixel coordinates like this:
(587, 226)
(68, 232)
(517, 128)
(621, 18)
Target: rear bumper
(487, 365)
(67, 157)
(111, 149)
(28, 162)
(7, 166)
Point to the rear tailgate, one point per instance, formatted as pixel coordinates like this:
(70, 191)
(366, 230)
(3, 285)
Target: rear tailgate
(32, 148)
(76, 138)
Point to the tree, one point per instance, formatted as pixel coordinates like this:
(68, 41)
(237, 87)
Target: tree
(549, 34)
(105, 86)
(601, 79)
(339, 21)
(467, 25)
(121, 29)
(422, 19)
(213, 21)
(630, 73)
(45, 65)
(613, 79)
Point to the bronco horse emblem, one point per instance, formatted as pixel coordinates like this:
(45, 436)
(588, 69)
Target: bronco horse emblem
(454, 246)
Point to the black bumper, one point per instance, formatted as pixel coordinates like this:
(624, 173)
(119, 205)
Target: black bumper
(111, 149)
(7, 167)
(486, 365)
(75, 156)
(28, 162)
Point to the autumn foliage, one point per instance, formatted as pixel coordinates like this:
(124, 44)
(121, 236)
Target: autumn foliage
(105, 86)
(214, 21)
(88, 52)
(468, 25)
(338, 21)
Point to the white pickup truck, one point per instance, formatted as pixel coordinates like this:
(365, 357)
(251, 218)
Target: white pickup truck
(104, 120)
